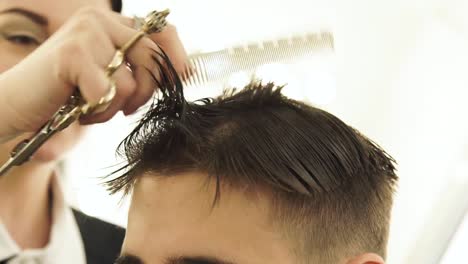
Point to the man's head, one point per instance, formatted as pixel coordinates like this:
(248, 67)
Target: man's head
(253, 177)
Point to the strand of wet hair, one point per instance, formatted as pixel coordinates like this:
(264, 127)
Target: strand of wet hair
(169, 104)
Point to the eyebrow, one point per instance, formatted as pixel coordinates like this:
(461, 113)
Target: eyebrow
(196, 260)
(39, 19)
(131, 259)
(128, 259)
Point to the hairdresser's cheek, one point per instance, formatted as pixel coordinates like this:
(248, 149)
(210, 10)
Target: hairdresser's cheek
(8, 59)
(60, 144)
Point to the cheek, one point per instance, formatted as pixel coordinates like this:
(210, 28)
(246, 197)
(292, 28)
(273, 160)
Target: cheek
(7, 61)
(8, 58)
(55, 148)
(60, 144)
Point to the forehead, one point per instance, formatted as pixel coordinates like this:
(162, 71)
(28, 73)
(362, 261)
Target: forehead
(56, 11)
(174, 216)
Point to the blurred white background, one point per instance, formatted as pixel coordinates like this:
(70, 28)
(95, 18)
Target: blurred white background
(398, 75)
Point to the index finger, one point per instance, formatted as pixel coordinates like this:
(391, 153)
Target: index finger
(168, 40)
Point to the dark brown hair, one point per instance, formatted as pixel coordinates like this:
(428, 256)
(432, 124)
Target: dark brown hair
(331, 188)
(116, 5)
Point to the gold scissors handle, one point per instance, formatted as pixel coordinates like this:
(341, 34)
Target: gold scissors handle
(154, 22)
(77, 106)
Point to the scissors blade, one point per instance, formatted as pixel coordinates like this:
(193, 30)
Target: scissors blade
(6, 167)
(25, 149)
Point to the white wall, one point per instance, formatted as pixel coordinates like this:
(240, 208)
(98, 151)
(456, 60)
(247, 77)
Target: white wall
(400, 79)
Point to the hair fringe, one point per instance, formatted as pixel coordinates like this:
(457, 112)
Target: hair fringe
(169, 104)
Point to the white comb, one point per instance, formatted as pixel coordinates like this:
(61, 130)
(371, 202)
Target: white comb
(218, 66)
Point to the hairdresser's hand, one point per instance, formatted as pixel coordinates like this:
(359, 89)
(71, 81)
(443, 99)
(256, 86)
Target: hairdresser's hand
(76, 56)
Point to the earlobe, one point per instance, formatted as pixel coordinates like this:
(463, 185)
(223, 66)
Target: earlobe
(367, 258)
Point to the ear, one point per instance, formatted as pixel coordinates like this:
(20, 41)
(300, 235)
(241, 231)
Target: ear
(367, 258)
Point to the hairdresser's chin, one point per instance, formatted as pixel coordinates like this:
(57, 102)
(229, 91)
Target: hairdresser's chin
(53, 150)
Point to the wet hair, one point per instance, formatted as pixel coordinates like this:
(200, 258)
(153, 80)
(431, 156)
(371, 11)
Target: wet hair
(330, 187)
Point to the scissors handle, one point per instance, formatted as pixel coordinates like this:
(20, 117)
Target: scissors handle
(77, 106)
(65, 116)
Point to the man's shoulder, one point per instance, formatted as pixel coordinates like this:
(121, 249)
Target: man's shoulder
(102, 240)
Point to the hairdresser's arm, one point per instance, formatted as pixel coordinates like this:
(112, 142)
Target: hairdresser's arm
(76, 56)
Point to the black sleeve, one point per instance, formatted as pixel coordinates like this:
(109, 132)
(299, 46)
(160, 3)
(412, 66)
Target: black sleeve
(102, 240)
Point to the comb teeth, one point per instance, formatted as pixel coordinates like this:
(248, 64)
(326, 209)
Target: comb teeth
(218, 66)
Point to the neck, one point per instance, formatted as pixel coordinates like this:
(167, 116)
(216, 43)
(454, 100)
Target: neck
(25, 208)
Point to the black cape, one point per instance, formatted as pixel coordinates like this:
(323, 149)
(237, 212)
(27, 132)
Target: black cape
(102, 240)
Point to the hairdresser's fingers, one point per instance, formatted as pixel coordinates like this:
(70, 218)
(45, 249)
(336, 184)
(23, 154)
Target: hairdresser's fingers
(69, 68)
(145, 72)
(126, 88)
(114, 25)
(93, 82)
(140, 53)
(147, 67)
(121, 32)
(124, 20)
(141, 56)
(169, 41)
(116, 28)
(146, 88)
(143, 53)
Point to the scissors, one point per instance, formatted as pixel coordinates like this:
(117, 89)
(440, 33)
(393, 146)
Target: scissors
(76, 105)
